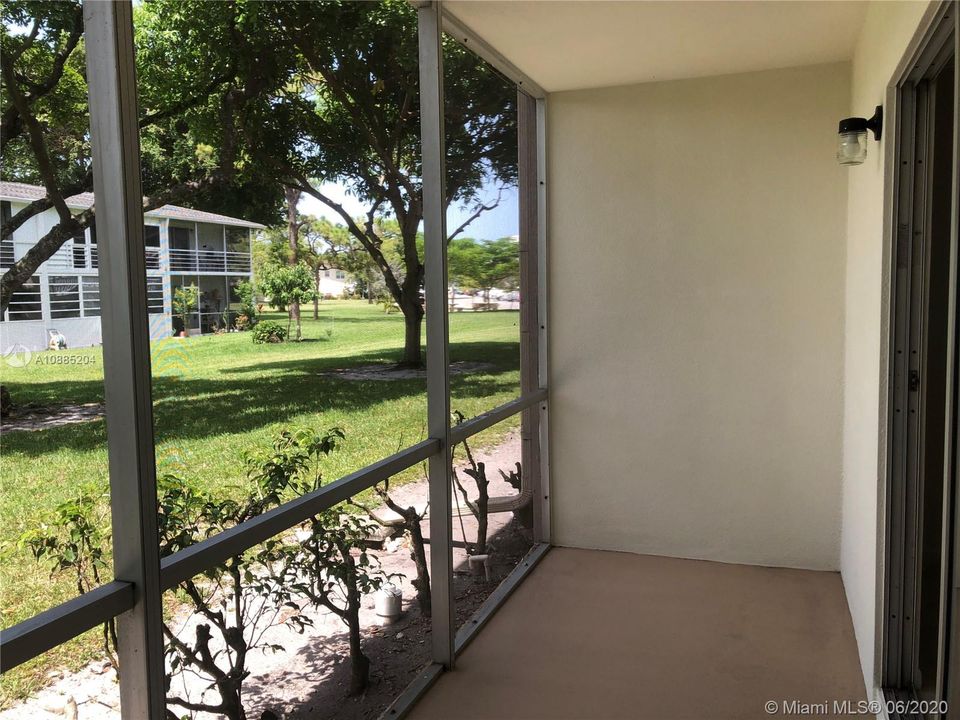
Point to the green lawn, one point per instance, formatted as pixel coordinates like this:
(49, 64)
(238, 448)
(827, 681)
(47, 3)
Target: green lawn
(215, 397)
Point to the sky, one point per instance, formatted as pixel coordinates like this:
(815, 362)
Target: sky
(502, 221)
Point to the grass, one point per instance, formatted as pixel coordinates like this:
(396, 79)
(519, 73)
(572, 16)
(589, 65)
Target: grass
(215, 397)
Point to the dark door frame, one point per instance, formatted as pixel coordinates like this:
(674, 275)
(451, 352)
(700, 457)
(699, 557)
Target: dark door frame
(905, 431)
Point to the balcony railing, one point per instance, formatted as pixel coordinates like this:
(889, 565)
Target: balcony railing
(188, 261)
(209, 261)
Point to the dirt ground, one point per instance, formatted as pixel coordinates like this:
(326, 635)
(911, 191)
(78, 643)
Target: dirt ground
(29, 418)
(389, 372)
(310, 677)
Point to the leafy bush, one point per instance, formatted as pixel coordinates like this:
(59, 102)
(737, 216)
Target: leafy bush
(269, 332)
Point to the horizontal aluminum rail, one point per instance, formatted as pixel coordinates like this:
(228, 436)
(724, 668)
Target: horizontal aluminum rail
(42, 632)
(464, 430)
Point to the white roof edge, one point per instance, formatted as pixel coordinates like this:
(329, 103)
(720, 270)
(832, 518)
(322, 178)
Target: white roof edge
(171, 212)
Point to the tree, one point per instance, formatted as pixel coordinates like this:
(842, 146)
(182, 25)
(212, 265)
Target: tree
(183, 304)
(237, 602)
(288, 285)
(316, 252)
(292, 196)
(478, 508)
(485, 265)
(190, 85)
(353, 118)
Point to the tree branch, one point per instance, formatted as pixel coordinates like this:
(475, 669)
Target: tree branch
(480, 210)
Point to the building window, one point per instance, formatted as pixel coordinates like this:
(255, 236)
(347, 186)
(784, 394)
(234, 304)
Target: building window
(154, 295)
(151, 236)
(90, 286)
(64, 296)
(151, 241)
(25, 302)
(80, 251)
(6, 245)
(341, 275)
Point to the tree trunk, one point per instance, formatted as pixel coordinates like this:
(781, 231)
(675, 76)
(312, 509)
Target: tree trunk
(413, 324)
(232, 705)
(359, 664)
(419, 556)
(408, 299)
(316, 298)
(369, 287)
(293, 231)
(482, 502)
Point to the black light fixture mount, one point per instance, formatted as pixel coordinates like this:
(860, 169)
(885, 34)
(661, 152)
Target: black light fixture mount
(853, 137)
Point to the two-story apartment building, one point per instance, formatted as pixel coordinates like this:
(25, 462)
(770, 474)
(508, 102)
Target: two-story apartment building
(183, 247)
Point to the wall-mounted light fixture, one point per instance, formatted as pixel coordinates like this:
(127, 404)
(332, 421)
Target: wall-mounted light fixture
(853, 137)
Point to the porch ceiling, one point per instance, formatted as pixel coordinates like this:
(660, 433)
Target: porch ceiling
(569, 45)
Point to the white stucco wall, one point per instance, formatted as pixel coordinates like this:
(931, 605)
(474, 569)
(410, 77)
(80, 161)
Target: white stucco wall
(696, 406)
(887, 30)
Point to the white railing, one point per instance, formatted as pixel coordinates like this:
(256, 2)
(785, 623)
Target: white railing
(215, 261)
(86, 257)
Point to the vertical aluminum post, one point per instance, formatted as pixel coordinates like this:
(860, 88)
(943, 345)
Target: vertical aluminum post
(529, 301)
(108, 30)
(435, 289)
(542, 319)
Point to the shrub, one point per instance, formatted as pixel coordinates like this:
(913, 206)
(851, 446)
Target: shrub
(269, 332)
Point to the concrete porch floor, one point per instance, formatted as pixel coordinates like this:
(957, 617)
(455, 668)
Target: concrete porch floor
(598, 635)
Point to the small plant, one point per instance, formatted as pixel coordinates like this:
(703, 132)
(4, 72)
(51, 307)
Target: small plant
(237, 601)
(333, 570)
(246, 292)
(72, 541)
(329, 565)
(269, 332)
(184, 302)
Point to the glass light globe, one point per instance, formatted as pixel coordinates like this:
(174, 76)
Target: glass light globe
(852, 149)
